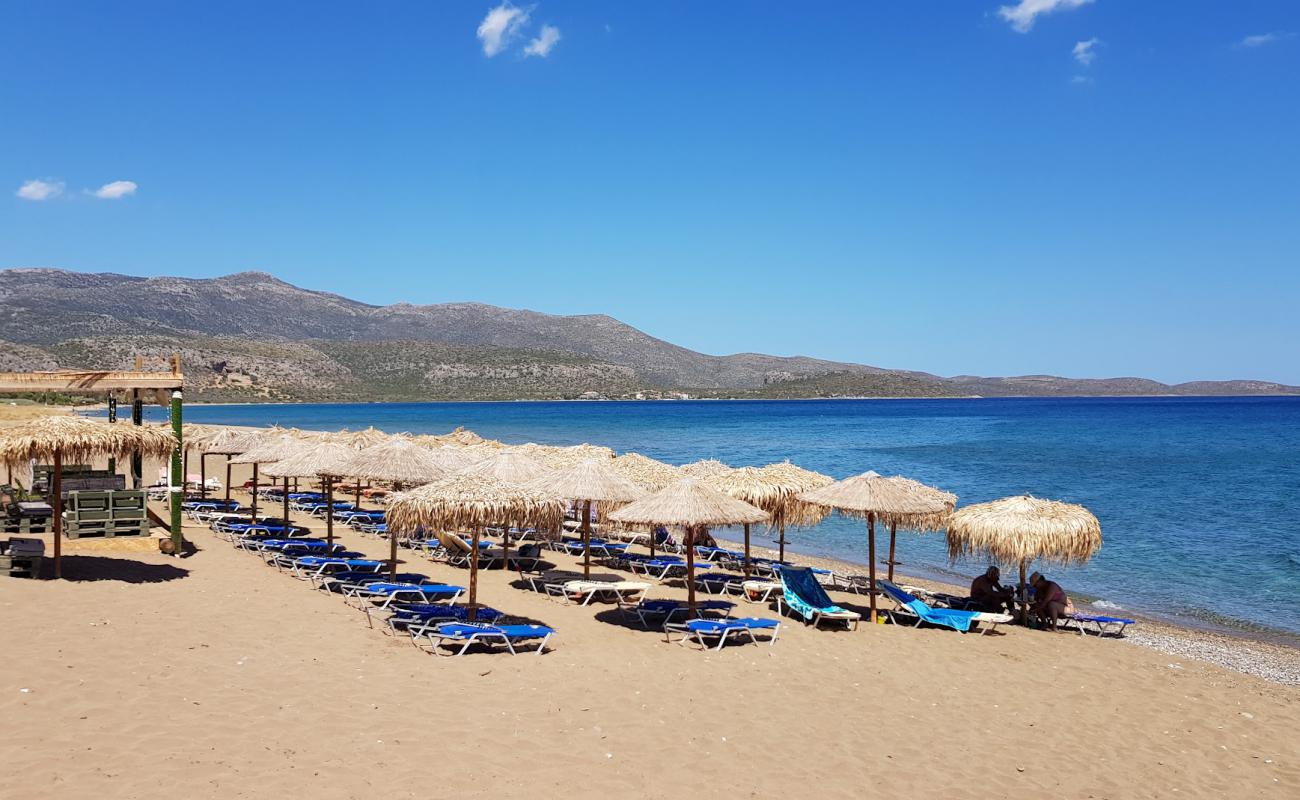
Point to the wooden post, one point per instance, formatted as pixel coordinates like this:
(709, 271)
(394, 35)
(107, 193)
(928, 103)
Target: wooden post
(227, 481)
(392, 552)
(781, 557)
(893, 531)
(689, 542)
(254, 512)
(285, 506)
(471, 612)
(871, 570)
(137, 418)
(112, 417)
(203, 475)
(329, 509)
(747, 567)
(177, 492)
(1024, 596)
(586, 539)
(57, 490)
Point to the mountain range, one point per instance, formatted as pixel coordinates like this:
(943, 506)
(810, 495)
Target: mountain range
(250, 336)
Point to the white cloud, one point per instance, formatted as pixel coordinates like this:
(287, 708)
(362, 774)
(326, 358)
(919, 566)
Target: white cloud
(40, 190)
(1083, 51)
(501, 26)
(115, 190)
(544, 43)
(1023, 14)
(1081, 80)
(1261, 39)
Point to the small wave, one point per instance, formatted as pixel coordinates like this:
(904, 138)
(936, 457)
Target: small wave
(1106, 604)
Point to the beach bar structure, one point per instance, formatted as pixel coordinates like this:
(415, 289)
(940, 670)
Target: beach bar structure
(137, 385)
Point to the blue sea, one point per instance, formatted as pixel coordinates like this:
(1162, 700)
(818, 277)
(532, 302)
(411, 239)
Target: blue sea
(1199, 498)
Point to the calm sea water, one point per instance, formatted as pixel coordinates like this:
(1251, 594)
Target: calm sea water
(1199, 498)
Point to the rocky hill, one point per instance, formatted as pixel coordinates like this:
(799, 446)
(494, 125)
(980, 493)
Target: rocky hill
(250, 336)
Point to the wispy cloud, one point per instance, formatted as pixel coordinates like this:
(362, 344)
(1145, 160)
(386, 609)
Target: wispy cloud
(1081, 80)
(544, 43)
(40, 190)
(1024, 13)
(1084, 52)
(1261, 39)
(501, 26)
(115, 190)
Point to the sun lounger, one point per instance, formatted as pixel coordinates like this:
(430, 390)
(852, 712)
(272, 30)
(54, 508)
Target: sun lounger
(805, 596)
(467, 634)
(416, 618)
(663, 569)
(701, 630)
(1101, 625)
(657, 613)
(719, 583)
(385, 593)
(717, 553)
(909, 609)
(584, 592)
(760, 591)
(307, 566)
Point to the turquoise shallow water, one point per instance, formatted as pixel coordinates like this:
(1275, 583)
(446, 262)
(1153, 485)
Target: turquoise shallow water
(1199, 498)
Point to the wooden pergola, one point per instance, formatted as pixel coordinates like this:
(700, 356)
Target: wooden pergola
(134, 384)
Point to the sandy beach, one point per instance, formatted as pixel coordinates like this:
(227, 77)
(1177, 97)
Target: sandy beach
(217, 676)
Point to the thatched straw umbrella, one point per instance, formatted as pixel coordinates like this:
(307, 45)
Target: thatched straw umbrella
(751, 485)
(704, 468)
(368, 438)
(1021, 529)
(794, 480)
(452, 459)
(228, 442)
(930, 523)
(646, 472)
(694, 507)
(325, 460)
(271, 448)
(475, 502)
(894, 502)
(588, 481)
(74, 438)
(508, 466)
(400, 462)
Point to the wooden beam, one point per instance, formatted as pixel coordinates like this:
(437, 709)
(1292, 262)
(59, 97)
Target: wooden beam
(87, 381)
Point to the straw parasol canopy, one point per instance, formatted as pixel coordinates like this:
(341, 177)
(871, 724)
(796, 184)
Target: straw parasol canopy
(588, 481)
(323, 459)
(368, 438)
(796, 480)
(463, 501)
(646, 472)
(509, 466)
(397, 461)
(1025, 529)
(275, 445)
(704, 468)
(451, 459)
(753, 486)
(231, 441)
(56, 438)
(893, 501)
(691, 505)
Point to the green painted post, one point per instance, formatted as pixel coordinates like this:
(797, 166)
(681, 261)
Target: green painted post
(112, 417)
(178, 479)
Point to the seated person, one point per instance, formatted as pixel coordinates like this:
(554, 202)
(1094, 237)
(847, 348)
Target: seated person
(989, 595)
(1050, 601)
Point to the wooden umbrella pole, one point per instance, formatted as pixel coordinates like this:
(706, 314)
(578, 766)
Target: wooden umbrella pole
(203, 476)
(689, 541)
(329, 509)
(254, 493)
(392, 552)
(227, 481)
(358, 499)
(747, 551)
(286, 507)
(471, 613)
(185, 470)
(893, 531)
(871, 569)
(1024, 596)
(57, 488)
(586, 539)
(781, 558)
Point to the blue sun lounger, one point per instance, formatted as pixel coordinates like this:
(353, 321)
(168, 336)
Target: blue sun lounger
(469, 633)
(416, 618)
(1101, 625)
(908, 608)
(656, 613)
(806, 597)
(719, 582)
(307, 566)
(701, 630)
(385, 593)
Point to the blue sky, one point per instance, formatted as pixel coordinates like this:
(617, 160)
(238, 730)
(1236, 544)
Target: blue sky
(1004, 187)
